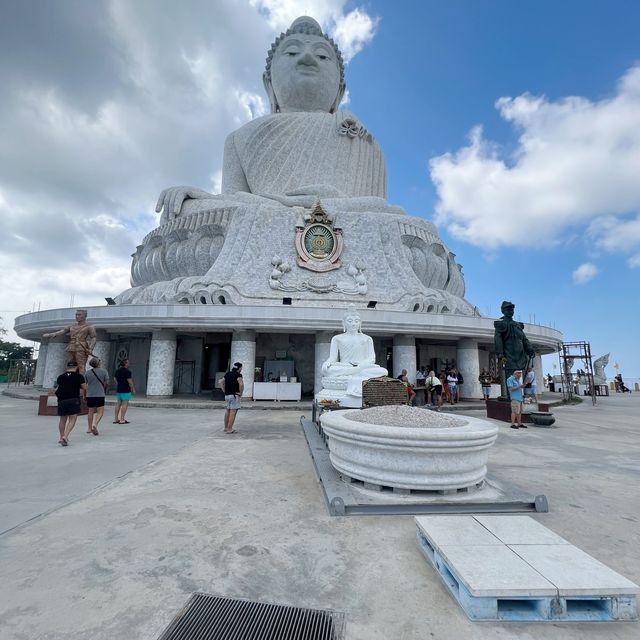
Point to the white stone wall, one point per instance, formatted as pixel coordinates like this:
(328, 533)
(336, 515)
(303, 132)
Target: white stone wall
(537, 367)
(102, 350)
(468, 364)
(243, 349)
(162, 359)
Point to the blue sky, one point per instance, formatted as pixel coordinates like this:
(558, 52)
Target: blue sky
(514, 125)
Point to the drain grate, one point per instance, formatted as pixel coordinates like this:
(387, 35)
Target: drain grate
(207, 617)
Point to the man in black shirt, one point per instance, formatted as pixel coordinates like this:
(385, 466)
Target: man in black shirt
(233, 386)
(69, 387)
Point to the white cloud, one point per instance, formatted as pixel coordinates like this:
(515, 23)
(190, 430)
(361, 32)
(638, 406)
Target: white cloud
(353, 31)
(576, 164)
(584, 273)
(634, 262)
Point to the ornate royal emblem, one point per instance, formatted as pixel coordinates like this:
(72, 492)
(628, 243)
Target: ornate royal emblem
(318, 241)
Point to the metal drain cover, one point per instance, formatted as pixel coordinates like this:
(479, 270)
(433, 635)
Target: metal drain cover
(207, 617)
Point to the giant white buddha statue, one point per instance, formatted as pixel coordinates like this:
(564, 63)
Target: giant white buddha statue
(245, 245)
(351, 361)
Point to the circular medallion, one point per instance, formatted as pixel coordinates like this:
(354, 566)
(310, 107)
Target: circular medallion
(319, 241)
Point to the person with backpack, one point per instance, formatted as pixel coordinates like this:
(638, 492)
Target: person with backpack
(97, 380)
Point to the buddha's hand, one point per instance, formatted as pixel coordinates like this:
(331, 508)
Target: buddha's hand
(171, 200)
(307, 195)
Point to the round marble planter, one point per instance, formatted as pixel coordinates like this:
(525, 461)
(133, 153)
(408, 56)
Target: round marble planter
(542, 418)
(434, 458)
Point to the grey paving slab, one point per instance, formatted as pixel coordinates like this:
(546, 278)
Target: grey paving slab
(495, 571)
(573, 571)
(175, 507)
(455, 530)
(519, 530)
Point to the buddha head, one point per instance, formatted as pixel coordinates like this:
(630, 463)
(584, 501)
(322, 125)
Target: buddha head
(304, 71)
(351, 322)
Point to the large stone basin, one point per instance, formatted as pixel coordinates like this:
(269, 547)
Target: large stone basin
(425, 457)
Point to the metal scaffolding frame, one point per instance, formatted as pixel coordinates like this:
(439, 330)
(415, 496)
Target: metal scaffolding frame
(568, 353)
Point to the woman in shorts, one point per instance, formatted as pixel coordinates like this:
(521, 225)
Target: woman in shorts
(97, 380)
(124, 391)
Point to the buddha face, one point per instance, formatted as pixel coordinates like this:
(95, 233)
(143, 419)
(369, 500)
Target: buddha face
(305, 75)
(351, 323)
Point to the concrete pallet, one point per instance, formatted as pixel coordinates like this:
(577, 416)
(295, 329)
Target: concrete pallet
(514, 568)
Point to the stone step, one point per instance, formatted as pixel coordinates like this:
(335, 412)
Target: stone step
(514, 568)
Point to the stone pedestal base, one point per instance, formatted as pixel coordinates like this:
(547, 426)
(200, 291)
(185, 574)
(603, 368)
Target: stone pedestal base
(501, 410)
(340, 396)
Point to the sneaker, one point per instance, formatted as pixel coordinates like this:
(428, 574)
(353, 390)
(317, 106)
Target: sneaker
(515, 426)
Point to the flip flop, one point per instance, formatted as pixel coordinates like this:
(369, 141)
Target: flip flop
(232, 431)
(124, 422)
(116, 422)
(94, 431)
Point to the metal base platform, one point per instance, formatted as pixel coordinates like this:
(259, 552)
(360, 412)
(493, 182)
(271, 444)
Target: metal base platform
(347, 497)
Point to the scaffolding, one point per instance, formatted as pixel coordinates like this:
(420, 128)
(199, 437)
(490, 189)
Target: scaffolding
(568, 353)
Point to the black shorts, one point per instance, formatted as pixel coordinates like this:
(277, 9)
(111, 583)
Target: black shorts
(436, 391)
(69, 407)
(95, 401)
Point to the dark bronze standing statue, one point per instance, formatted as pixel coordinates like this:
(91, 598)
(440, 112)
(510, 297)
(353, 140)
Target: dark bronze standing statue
(512, 347)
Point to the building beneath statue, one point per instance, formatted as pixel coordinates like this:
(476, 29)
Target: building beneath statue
(262, 273)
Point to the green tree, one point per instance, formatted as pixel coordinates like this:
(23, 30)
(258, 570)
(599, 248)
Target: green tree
(13, 351)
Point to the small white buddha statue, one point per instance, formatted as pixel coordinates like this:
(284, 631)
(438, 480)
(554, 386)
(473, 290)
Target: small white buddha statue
(351, 360)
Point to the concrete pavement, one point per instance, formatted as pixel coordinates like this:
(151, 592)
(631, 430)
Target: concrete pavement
(109, 537)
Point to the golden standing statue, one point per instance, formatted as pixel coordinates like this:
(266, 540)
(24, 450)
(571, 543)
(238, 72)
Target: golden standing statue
(82, 340)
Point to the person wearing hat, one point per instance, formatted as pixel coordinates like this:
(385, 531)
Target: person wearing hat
(233, 386)
(69, 387)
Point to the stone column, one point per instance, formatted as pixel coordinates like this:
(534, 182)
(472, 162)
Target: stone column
(243, 349)
(162, 363)
(102, 350)
(404, 356)
(42, 363)
(468, 363)
(55, 364)
(537, 367)
(323, 346)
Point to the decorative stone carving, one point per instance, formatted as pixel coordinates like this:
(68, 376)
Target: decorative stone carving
(599, 376)
(318, 241)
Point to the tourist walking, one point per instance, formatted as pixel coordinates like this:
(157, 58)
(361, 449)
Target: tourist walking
(452, 383)
(515, 387)
(97, 380)
(69, 388)
(485, 381)
(232, 386)
(124, 391)
(434, 390)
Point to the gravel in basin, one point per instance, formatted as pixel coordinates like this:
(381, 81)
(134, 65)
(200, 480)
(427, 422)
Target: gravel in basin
(405, 416)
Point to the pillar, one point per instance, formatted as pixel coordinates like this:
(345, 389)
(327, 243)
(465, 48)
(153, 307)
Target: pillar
(243, 349)
(404, 356)
(41, 363)
(102, 349)
(468, 363)
(537, 367)
(55, 363)
(162, 362)
(323, 347)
